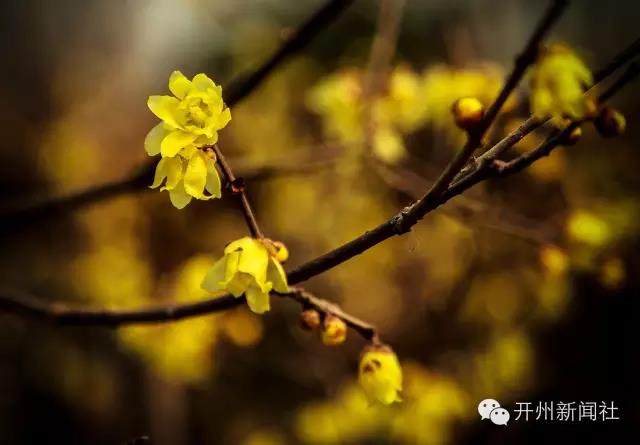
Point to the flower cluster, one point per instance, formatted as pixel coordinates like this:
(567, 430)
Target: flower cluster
(410, 101)
(191, 119)
(249, 267)
(558, 82)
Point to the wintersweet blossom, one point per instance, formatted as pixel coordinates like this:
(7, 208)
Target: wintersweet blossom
(191, 119)
(380, 375)
(558, 83)
(250, 267)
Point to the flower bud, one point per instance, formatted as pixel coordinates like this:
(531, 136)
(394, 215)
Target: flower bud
(334, 331)
(467, 112)
(610, 122)
(309, 319)
(282, 253)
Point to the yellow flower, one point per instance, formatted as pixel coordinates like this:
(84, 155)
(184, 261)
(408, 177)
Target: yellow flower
(338, 100)
(188, 178)
(380, 375)
(558, 83)
(248, 268)
(190, 121)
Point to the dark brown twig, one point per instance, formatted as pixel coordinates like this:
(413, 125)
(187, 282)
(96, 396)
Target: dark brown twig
(239, 190)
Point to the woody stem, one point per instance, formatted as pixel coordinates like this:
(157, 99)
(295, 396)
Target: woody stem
(237, 187)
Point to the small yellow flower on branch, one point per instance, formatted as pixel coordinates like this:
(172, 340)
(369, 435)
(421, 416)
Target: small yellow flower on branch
(558, 83)
(248, 267)
(380, 375)
(190, 123)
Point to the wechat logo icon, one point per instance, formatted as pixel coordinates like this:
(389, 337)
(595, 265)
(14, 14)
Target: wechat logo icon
(491, 409)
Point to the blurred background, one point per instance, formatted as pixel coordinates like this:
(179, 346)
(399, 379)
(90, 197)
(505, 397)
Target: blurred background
(524, 289)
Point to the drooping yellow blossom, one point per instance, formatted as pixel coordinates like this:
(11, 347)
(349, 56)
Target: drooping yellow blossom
(380, 375)
(558, 83)
(247, 267)
(190, 122)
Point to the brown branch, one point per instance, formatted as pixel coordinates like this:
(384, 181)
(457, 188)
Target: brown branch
(239, 88)
(23, 304)
(238, 189)
(403, 221)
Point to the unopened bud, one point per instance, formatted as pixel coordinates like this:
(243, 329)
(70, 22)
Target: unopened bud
(282, 253)
(309, 319)
(334, 331)
(467, 112)
(610, 122)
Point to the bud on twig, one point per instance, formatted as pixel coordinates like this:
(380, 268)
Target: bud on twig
(467, 112)
(334, 331)
(309, 319)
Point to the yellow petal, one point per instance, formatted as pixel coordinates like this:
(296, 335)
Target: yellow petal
(154, 138)
(175, 141)
(179, 85)
(213, 186)
(257, 300)
(179, 198)
(239, 284)
(166, 108)
(174, 172)
(202, 82)
(254, 260)
(161, 173)
(214, 279)
(277, 276)
(195, 178)
(223, 119)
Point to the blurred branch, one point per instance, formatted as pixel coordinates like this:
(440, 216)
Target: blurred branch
(23, 304)
(470, 211)
(405, 219)
(237, 90)
(384, 46)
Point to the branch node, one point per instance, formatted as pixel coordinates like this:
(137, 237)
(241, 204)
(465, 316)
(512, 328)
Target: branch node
(401, 223)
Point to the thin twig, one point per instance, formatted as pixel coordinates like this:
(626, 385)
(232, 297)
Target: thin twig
(237, 90)
(240, 190)
(308, 300)
(403, 221)
(23, 304)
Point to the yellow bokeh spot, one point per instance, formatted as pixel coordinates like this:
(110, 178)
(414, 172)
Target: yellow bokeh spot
(588, 228)
(242, 327)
